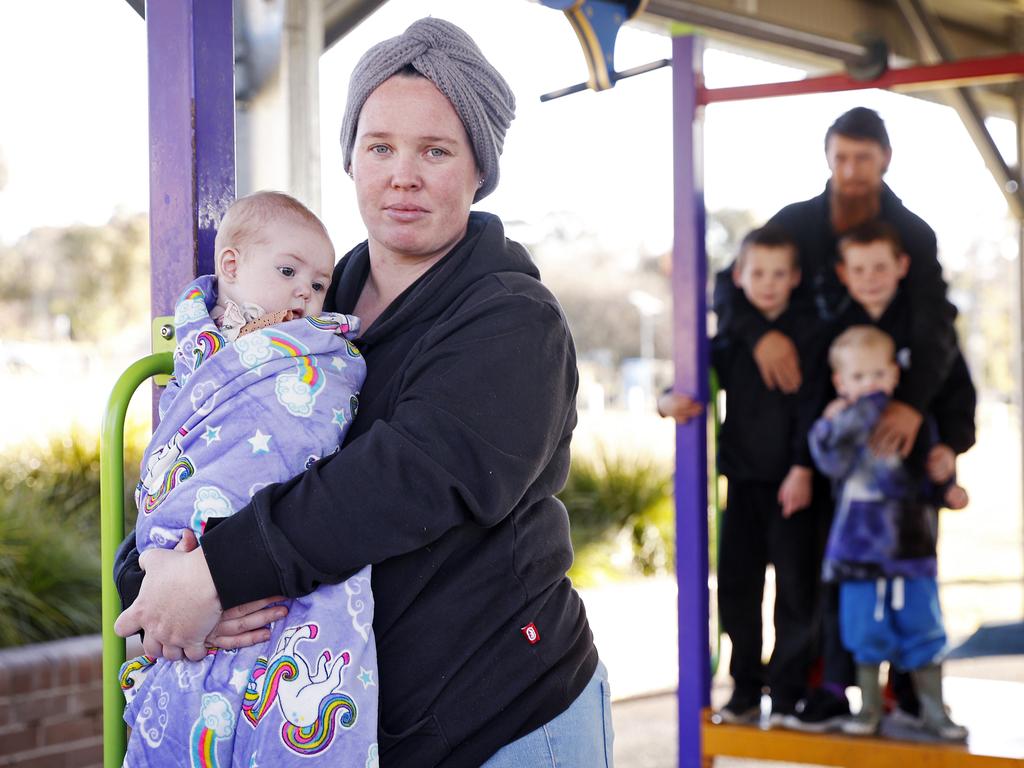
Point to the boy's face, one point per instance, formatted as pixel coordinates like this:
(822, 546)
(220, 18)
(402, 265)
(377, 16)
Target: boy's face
(767, 277)
(289, 267)
(871, 273)
(865, 370)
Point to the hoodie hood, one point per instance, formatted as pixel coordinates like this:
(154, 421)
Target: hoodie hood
(483, 251)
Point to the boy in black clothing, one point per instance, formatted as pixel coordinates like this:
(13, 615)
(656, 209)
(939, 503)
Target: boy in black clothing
(763, 451)
(872, 266)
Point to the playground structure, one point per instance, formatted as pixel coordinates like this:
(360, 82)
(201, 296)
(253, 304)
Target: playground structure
(192, 96)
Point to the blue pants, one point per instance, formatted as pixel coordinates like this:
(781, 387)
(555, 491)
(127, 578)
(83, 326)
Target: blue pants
(580, 737)
(894, 620)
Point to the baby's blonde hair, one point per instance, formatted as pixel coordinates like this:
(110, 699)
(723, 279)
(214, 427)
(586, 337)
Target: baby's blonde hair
(244, 220)
(860, 337)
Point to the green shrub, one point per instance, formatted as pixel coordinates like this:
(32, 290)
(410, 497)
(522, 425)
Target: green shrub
(49, 579)
(619, 505)
(49, 535)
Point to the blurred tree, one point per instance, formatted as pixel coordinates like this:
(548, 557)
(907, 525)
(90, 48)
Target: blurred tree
(726, 228)
(96, 277)
(984, 292)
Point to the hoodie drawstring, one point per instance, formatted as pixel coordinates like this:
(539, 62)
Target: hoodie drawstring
(879, 599)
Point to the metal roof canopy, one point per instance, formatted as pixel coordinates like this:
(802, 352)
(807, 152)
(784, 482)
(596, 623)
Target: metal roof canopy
(825, 37)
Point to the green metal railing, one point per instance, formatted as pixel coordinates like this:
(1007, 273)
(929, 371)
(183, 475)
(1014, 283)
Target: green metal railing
(715, 423)
(111, 534)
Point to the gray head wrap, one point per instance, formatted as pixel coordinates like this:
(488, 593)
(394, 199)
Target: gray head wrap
(449, 58)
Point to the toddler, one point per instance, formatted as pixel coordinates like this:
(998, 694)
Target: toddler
(881, 547)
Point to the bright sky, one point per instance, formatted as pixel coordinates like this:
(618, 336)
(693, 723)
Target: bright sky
(73, 129)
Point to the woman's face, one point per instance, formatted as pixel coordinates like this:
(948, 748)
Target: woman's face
(414, 170)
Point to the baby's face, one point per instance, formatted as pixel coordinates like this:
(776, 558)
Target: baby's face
(865, 370)
(289, 267)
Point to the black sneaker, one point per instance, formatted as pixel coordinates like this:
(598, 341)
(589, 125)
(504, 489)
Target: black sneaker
(820, 712)
(781, 709)
(743, 707)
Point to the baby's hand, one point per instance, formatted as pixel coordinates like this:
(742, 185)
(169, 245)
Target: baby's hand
(834, 408)
(941, 463)
(682, 408)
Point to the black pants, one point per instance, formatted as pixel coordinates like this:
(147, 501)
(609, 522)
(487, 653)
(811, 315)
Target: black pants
(837, 662)
(753, 534)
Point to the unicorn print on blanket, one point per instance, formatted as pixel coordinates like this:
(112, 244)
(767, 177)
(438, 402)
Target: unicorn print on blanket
(310, 702)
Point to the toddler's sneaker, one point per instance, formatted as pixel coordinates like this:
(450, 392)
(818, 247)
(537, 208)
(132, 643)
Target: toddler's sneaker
(863, 724)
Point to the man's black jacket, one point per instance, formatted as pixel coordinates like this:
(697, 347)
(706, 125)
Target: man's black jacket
(809, 223)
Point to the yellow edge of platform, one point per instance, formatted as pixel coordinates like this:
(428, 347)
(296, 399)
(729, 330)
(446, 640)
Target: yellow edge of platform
(794, 747)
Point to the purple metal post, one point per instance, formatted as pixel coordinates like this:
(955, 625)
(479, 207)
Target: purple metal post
(191, 138)
(690, 351)
(215, 121)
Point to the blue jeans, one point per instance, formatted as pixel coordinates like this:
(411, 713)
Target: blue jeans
(580, 737)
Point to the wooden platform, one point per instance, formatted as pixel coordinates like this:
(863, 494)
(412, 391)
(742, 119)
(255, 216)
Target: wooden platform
(746, 741)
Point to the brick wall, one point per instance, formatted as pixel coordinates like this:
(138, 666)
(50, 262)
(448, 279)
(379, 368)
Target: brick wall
(51, 704)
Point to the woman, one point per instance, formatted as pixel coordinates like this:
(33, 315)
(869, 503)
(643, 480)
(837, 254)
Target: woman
(447, 478)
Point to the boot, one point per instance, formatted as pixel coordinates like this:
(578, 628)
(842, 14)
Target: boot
(928, 684)
(865, 723)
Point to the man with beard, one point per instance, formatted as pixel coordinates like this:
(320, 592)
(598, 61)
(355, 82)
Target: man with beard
(858, 153)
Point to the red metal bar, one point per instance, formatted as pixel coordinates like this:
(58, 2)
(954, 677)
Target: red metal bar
(946, 74)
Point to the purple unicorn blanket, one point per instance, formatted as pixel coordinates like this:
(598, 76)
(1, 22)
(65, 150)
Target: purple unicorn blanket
(236, 417)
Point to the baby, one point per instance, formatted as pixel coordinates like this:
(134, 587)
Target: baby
(264, 385)
(273, 262)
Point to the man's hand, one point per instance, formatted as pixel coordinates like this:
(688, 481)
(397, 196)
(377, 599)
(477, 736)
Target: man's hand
(941, 463)
(795, 491)
(778, 362)
(177, 605)
(896, 430)
(682, 408)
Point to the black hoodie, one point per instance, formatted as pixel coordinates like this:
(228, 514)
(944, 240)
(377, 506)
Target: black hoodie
(446, 486)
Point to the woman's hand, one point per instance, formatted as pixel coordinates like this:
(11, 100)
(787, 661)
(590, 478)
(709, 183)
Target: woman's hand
(177, 606)
(243, 625)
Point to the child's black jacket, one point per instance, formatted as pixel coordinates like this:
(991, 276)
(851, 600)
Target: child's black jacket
(765, 431)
